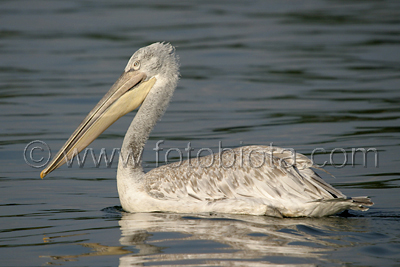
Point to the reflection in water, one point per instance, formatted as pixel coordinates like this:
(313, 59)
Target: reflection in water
(234, 239)
(240, 238)
(97, 250)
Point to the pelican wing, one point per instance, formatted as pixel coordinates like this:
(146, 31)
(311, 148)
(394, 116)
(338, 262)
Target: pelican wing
(272, 175)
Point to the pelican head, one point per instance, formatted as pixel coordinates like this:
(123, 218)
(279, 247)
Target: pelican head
(154, 67)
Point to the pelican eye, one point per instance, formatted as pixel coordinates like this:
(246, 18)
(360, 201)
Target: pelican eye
(136, 65)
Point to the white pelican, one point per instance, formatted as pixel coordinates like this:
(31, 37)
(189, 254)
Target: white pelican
(257, 180)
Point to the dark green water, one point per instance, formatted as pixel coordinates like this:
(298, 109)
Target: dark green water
(316, 76)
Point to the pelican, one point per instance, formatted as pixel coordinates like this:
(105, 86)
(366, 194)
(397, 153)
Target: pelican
(255, 180)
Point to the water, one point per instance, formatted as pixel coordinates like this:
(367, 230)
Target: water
(303, 75)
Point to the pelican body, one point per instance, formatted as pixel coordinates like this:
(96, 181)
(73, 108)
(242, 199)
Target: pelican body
(257, 180)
